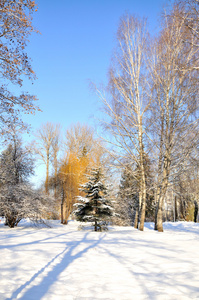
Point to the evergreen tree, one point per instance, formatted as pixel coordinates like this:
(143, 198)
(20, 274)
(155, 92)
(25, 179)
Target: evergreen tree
(128, 203)
(127, 199)
(94, 207)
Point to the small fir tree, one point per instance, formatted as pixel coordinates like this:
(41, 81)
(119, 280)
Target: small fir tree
(94, 207)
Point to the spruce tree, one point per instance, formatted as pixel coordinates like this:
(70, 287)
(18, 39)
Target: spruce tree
(95, 206)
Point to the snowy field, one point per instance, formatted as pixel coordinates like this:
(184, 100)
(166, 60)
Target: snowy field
(65, 263)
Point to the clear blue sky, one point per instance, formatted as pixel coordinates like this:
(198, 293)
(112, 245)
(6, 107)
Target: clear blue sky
(75, 45)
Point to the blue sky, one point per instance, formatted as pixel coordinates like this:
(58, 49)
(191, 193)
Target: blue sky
(75, 45)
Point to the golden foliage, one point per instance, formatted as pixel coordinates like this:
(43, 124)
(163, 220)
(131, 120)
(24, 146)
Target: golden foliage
(72, 175)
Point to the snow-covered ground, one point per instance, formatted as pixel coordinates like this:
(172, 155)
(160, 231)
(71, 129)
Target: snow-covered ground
(65, 263)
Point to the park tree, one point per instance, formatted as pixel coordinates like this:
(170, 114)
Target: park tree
(128, 204)
(81, 140)
(95, 206)
(15, 29)
(189, 14)
(47, 146)
(174, 125)
(83, 150)
(126, 101)
(186, 188)
(70, 175)
(127, 201)
(17, 198)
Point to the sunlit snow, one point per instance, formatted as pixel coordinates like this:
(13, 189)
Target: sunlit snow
(66, 263)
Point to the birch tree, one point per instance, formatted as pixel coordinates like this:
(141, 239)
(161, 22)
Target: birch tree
(126, 100)
(175, 92)
(190, 15)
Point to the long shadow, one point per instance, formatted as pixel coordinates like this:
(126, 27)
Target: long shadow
(178, 228)
(187, 230)
(5, 234)
(160, 277)
(123, 261)
(35, 242)
(41, 289)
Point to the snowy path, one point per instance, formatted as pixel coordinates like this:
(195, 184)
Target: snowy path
(64, 263)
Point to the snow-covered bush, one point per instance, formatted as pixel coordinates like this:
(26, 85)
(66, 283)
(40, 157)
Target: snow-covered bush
(17, 198)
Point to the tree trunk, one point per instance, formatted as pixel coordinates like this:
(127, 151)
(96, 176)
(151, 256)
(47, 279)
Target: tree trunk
(176, 208)
(159, 223)
(196, 212)
(143, 199)
(47, 171)
(62, 218)
(143, 210)
(162, 193)
(143, 176)
(55, 174)
(136, 220)
(158, 216)
(62, 204)
(182, 209)
(95, 225)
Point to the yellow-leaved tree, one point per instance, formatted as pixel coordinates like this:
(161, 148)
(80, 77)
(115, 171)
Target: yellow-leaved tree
(83, 152)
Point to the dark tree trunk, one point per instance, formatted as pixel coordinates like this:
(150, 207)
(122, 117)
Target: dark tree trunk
(62, 204)
(95, 225)
(12, 221)
(182, 209)
(196, 212)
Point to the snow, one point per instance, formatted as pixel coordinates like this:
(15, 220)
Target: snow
(63, 262)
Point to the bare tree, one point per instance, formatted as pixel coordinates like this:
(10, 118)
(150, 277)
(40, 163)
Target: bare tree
(186, 186)
(46, 146)
(175, 90)
(79, 139)
(56, 146)
(189, 14)
(17, 198)
(126, 102)
(15, 28)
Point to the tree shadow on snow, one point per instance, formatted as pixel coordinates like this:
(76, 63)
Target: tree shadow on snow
(41, 241)
(39, 290)
(149, 280)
